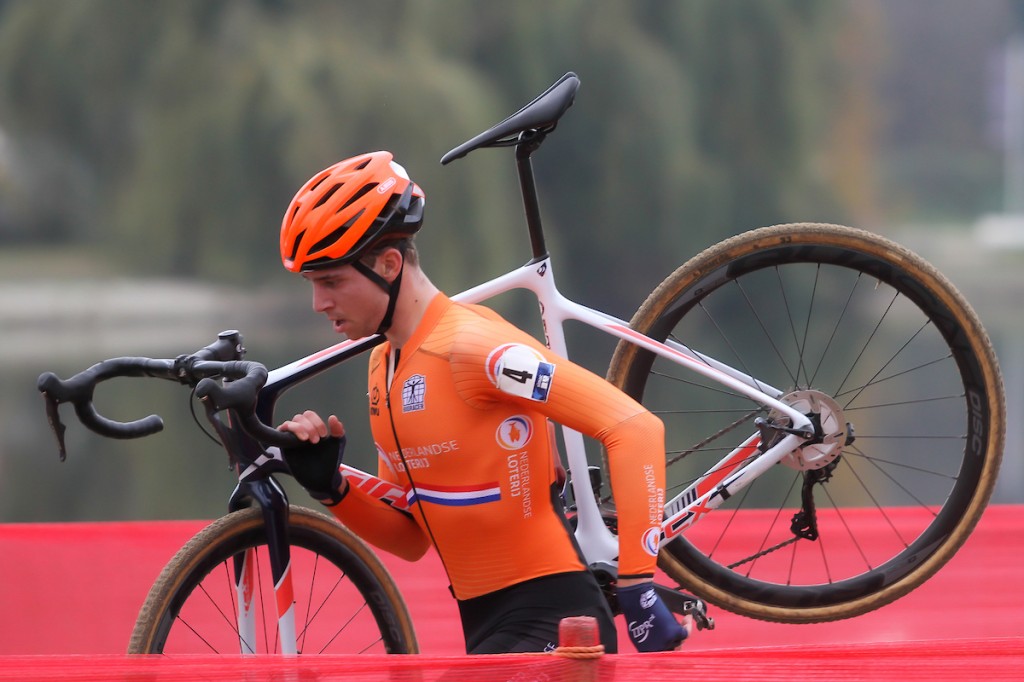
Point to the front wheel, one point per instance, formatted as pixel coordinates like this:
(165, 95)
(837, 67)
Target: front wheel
(885, 355)
(345, 602)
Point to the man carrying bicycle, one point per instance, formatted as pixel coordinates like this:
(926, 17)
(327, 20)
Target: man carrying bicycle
(459, 404)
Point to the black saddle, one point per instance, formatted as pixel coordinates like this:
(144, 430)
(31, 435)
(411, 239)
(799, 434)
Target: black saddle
(540, 115)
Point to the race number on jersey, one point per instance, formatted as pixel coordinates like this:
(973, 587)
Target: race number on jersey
(520, 371)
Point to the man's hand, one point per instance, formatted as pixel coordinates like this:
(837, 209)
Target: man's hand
(652, 627)
(316, 463)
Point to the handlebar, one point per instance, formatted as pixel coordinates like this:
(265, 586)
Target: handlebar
(202, 369)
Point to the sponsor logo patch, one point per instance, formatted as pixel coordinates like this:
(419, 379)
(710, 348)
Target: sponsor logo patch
(375, 401)
(514, 433)
(414, 392)
(651, 540)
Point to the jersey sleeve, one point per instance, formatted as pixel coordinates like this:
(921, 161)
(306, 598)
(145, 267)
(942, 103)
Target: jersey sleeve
(380, 524)
(497, 362)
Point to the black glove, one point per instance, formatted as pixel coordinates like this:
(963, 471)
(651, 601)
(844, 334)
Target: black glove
(652, 627)
(316, 466)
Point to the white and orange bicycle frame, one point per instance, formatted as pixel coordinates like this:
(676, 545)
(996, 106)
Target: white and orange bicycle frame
(598, 544)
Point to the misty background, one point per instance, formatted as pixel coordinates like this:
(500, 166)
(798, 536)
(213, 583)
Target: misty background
(149, 149)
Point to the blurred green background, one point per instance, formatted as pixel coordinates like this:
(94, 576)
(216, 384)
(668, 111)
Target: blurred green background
(149, 148)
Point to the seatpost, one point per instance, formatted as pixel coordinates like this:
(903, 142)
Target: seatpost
(529, 141)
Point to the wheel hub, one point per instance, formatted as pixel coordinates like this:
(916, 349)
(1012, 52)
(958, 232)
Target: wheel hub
(833, 430)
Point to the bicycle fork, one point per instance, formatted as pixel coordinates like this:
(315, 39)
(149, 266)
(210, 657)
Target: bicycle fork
(273, 502)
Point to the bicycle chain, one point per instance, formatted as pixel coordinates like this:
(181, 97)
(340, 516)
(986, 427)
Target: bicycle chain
(804, 524)
(765, 552)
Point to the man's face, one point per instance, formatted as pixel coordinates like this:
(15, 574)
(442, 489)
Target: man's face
(353, 303)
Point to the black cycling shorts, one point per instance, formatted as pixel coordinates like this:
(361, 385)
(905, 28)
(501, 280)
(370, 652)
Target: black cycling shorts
(525, 617)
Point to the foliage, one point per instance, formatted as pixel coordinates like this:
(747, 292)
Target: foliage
(169, 135)
(182, 127)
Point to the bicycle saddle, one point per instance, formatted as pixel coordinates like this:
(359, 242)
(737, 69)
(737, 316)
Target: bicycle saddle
(541, 114)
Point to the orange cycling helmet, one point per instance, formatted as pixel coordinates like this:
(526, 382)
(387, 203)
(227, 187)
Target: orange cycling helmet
(347, 208)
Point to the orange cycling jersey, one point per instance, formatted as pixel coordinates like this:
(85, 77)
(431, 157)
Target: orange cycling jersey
(462, 426)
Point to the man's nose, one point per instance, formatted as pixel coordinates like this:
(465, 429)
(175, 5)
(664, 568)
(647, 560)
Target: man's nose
(321, 301)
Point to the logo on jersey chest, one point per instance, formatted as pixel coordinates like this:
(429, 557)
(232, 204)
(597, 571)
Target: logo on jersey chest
(374, 401)
(414, 392)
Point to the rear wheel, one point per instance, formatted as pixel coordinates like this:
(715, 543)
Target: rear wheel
(852, 329)
(345, 602)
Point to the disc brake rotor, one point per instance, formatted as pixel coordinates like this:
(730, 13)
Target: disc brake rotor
(828, 419)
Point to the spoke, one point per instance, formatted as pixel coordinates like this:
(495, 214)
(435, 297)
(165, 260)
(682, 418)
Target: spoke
(891, 376)
(895, 355)
(679, 454)
(800, 369)
(877, 463)
(704, 412)
(849, 531)
(734, 467)
(732, 517)
(343, 627)
(725, 339)
(752, 559)
(198, 636)
(867, 343)
(802, 344)
(300, 643)
(835, 329)
(372, 644)
(924, 436)
(764, 329)
(764, 549)
(263, 603)
(323, 603)
(233, 591)
(902, 403)
(231, 622)
(710, 439)
(878, 505)
(687, 382)
(820, 543)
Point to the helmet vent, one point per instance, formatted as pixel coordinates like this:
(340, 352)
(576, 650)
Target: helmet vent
(323, 176)
(329, 240)
(295, 245)
(327, 195)
(359, 194)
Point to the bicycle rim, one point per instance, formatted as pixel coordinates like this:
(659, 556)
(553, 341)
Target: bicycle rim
(869, 337)
(344, 600)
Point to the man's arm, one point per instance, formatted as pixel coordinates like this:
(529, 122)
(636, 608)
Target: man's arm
(372, 519)
(380, 524)
(487, 368)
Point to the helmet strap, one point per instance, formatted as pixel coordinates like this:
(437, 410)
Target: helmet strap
(391, 288)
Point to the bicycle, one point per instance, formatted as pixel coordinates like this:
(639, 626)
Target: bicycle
(807, 459)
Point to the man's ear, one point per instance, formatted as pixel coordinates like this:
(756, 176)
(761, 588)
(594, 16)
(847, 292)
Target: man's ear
(390, 263)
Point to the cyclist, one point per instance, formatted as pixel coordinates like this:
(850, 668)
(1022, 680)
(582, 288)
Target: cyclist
(459, 403)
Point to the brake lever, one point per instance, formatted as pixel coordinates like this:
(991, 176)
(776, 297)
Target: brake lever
(58, 428)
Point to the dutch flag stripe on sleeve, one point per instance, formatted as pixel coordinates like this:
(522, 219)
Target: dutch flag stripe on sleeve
(456, 496)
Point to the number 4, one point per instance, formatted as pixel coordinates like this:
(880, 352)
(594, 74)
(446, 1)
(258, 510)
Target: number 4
(522, 376)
